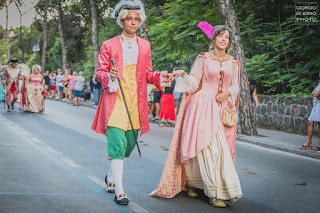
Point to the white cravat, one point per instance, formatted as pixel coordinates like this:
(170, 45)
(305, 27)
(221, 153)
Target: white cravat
(130, 50)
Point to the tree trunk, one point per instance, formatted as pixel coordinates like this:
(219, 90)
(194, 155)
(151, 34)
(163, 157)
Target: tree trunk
(45, 38)
(63, 47)
(247, 121)
(95, 41)
(144, 29)
(7, 32)
(21, 40)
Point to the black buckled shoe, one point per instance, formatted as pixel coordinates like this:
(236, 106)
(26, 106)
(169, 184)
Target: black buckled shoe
(121, 199)
(111, 188)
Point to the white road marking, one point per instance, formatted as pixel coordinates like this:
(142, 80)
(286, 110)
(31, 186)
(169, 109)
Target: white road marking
(137, 208)
(15, 144)
(51, 150)
(97, 181)
(35, 139)
(70, 162)
(24, 133)
(132, 205)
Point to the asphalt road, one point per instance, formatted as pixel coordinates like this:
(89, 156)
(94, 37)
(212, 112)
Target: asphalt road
(54, 162)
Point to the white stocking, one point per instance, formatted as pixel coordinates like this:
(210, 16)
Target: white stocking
(117, 173)
(110, 176)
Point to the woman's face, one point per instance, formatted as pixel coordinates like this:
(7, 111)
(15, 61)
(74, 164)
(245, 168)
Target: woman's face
(36, 71)
(222, 40)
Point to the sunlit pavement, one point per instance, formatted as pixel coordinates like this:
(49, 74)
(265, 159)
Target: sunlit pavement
(54, 162)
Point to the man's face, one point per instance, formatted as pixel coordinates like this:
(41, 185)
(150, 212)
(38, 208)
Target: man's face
(131, 23)
(14, 65)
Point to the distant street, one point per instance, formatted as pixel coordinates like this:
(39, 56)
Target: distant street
(54, 162)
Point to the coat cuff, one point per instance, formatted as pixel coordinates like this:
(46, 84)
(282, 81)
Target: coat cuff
(113, 85)
(157, 79)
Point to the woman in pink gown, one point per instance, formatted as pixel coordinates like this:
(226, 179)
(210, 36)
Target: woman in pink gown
(35, 91)
(202, 152)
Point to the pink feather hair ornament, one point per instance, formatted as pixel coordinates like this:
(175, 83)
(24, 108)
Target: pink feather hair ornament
(206, 28)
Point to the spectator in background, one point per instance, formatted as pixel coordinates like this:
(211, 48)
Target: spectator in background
(53, 77)
(71, 86)
(91, 86)
(156, 100)
(46, 80)
(78, 86)
(65, 84)
(2, 94)
(96, 88)
(253, 91)
(150, 100)
(314, 117)
(176, 94)
(60, 83)
(167, 104)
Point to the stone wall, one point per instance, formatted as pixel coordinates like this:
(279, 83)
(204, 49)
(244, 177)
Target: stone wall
(284, 114)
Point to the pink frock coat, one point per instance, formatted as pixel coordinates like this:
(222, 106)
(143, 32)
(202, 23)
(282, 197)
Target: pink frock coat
(173, 178)
(112, 48)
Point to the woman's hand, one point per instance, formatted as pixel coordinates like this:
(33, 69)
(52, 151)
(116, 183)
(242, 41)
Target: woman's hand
(178, 73)
(166, 77)
(222, 96)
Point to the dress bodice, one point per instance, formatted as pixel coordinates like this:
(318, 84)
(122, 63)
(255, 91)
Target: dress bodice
(211, 75)
(36, 81)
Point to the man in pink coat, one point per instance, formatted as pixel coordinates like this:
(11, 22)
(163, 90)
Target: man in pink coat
(134, 68)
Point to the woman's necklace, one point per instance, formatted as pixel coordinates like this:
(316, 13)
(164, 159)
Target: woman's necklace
(219, 58)
(129, 44)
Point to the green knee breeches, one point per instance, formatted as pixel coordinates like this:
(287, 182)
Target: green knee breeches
(120, 142)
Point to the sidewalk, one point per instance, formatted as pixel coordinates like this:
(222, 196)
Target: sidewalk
(272, 139)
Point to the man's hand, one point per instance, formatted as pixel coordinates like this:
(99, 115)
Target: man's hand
(166, 77)
(223, 96)
(114, 73)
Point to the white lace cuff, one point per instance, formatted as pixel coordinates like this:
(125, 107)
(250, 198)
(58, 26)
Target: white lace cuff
(233, 97)
(234, 85)
(187, 83)
(113, 85)
(162, 83)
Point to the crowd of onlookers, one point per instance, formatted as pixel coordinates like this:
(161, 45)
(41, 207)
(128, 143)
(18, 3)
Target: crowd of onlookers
(71, 86)
(164, 103)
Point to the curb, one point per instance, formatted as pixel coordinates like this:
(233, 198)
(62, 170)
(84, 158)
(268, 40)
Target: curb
(314, 155)
(240, 138)
(83, 105)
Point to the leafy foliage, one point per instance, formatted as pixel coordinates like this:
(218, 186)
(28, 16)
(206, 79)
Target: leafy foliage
(283, 57)
(175, 38)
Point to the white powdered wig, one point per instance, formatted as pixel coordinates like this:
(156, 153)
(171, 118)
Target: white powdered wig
(3, 68)
(36, 66)
(122, 9)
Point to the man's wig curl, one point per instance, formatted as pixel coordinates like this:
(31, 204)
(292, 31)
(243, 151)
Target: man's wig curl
(122, 9)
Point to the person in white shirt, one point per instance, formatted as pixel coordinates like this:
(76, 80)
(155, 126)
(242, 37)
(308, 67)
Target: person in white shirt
(78, 86)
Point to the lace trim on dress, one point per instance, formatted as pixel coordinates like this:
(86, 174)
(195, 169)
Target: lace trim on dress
(190, 83)
(234, 85)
